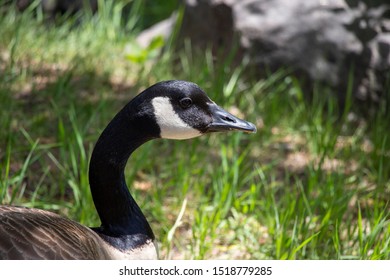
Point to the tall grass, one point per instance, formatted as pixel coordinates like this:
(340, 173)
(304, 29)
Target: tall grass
(309, 185)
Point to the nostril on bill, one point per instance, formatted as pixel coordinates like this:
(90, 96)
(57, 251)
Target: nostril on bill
(228, 119)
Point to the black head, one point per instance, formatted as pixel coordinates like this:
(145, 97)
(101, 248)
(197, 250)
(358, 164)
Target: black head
(172, 109)
(182, 110)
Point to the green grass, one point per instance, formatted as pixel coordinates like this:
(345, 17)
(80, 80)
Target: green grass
(313, 183)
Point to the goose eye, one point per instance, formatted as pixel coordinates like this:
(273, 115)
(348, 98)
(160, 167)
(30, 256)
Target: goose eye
(185, 102)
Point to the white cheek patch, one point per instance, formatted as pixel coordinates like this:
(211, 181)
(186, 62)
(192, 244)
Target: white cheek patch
(171, 125)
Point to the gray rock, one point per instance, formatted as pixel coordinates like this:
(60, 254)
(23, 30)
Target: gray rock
(306, 37)
(209, 23)
(321, 40)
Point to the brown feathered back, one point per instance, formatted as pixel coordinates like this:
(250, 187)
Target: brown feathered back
(34, 234)
(37, 234)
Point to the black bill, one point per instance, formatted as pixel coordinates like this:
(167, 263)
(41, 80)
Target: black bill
(224, 121)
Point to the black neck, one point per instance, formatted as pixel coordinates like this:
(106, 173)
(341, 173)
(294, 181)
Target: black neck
(119, 213)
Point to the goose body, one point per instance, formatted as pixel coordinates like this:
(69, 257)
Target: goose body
(37, 234)
(170, 109)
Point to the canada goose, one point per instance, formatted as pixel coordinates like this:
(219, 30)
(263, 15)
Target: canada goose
(170, 109)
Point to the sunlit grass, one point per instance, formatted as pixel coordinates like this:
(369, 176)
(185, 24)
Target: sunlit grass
(313, 183)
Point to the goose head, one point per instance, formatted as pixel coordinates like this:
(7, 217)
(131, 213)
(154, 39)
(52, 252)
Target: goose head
(171, 110)
(182, 110)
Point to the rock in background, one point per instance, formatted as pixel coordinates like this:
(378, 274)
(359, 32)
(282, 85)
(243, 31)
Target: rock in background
(320, 40)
